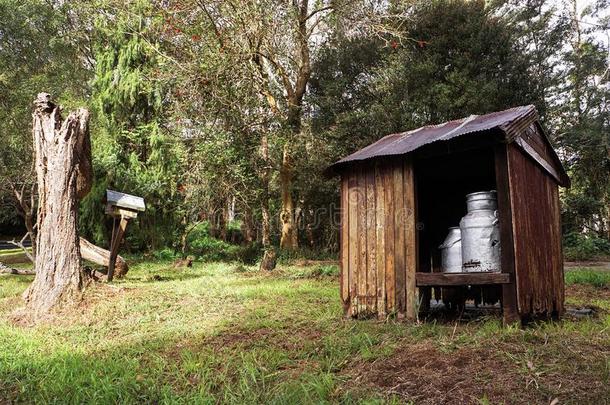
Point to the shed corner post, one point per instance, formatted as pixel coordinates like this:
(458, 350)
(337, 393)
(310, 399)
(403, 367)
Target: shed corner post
(510, 310)
(411, 240)
(344, 244)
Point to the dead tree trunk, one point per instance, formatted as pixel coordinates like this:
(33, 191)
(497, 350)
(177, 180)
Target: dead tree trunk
(265, 180)
(60, 147)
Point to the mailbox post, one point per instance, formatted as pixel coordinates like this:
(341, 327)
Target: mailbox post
(122, 207)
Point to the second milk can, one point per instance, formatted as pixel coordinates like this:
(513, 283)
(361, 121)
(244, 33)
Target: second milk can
(481, 233)
(451, 251)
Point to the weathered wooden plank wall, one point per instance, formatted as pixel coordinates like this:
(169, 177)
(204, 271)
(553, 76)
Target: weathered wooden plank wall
(378, 240)
(536, 220)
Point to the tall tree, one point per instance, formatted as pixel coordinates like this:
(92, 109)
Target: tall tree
(567, 46)
(36, 53)
(273, 45)
(134, 147)
(582, 116)
(457, 58)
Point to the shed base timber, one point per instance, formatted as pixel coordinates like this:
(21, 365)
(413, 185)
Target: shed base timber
(458, 279)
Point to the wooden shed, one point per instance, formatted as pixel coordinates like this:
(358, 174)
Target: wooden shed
(401, 194)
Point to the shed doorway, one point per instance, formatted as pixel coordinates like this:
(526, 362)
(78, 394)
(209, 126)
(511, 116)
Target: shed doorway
(443, 181)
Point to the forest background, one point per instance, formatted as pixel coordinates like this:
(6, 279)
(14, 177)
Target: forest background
(223, 115)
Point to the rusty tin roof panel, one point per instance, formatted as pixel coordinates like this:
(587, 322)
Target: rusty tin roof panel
(405, 142)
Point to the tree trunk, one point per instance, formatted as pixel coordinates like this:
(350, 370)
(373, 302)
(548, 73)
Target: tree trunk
(101, 256)
(266, 224)
(289, 233)
(269, 260)
(26, 208)
(223, 221)
(248, 226)
(265, 178)
(60, 145)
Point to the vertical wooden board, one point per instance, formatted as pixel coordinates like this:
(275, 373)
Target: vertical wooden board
(411, 248)
(344, 241)
(371, 242)
(352, 221)
(507, 254)
(520, 233)
(399, 239)
(559, 275)
(362, 246)
(388, 181)
(380, 241)
(537, 237)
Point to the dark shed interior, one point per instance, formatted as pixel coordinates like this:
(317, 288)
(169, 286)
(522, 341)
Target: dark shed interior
(442, 181)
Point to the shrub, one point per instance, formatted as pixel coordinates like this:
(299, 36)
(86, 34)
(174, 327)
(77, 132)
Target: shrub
(249, 254)
(164, 254)
(288, 256)
(592, 277)
(314, 272)
(199, 231)
(578, 246)
(327, 271)
(213, 250)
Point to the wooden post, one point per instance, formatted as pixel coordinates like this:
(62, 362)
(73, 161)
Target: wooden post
(507, 259)
(411, 241)
(344, 239)
(117, 236)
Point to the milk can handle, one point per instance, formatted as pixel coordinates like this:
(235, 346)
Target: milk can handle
(496, 220)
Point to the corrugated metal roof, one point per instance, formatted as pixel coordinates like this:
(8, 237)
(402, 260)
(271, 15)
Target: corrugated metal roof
(405, 142)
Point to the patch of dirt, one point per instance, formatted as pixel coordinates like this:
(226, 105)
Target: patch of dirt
(78, 311)
(289, 341)
(423, 374)
(587, 293)
(236, 341)
(599, 265)
(506, 371)
(286, 340)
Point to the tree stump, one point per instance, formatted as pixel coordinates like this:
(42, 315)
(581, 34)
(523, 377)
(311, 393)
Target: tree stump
(269, 260)
(60, 146)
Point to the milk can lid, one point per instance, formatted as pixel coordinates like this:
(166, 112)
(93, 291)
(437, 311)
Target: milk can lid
(484, 194)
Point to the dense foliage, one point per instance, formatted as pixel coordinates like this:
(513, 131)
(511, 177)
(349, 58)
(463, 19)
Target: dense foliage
(133, 147)
(197, 105)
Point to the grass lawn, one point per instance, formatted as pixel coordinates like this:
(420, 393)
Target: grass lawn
(221, 333)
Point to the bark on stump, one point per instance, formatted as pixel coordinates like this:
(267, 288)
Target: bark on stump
(61, 146)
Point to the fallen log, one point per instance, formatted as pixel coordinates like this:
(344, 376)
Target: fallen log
(101, 256)
(4, 269)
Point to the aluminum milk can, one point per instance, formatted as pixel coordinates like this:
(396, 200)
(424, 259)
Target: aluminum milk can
(451, 251)
(481, 233)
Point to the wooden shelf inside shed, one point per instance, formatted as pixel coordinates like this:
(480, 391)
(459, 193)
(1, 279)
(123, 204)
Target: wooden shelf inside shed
(456, 279)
